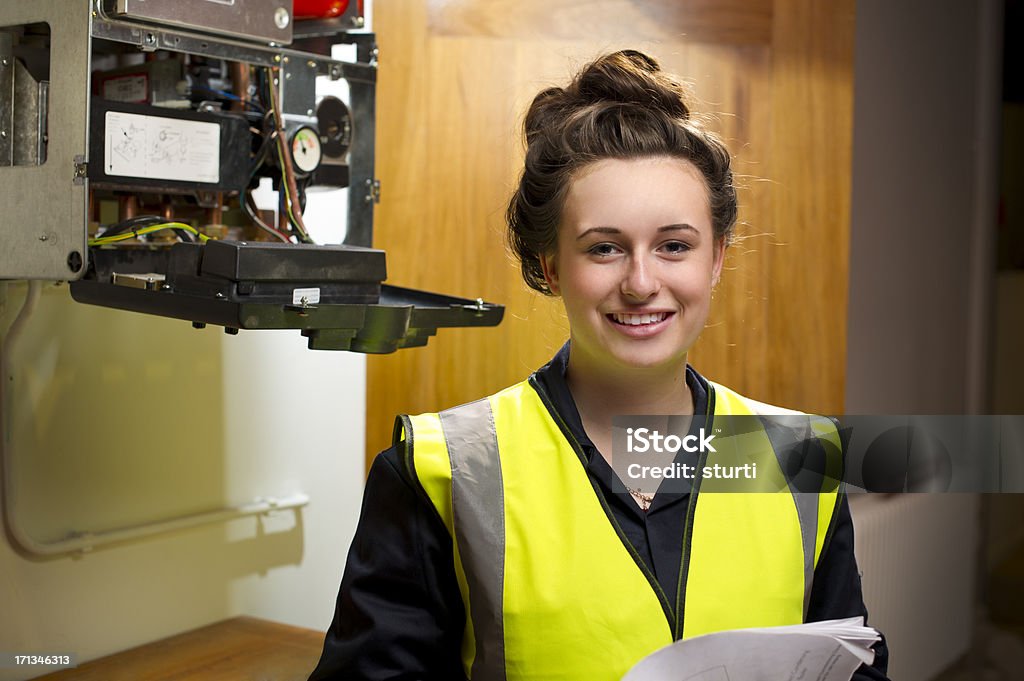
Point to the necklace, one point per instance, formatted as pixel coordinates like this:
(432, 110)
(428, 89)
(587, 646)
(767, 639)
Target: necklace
(645, 500)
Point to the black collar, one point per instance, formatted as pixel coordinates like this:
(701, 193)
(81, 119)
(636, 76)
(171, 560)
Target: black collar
(551, 376)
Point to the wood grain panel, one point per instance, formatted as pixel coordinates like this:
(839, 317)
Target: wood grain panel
(238, 648)
(452, 92)
(811, 157)
(733, 22)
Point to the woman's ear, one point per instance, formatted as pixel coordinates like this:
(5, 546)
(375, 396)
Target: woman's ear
(719, 260)
(547, 265)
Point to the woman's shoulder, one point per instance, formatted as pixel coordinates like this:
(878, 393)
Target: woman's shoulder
(738, 403)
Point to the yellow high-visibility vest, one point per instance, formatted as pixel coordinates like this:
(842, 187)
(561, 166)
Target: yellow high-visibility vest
(553, 591)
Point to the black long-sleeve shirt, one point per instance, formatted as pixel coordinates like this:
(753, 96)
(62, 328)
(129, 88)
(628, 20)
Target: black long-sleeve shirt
(399, 612)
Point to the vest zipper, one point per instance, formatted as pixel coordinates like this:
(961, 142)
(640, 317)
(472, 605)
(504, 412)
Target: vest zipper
(691, 508)
(575, 445)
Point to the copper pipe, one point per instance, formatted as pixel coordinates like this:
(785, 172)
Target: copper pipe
(215, 214)
(127, 207)
(239, 84)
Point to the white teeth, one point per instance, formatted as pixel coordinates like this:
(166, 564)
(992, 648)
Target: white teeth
(639, 319)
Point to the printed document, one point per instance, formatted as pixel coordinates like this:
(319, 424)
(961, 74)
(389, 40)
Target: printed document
(817, 651)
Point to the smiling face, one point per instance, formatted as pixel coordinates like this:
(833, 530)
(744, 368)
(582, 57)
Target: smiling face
(635, 263)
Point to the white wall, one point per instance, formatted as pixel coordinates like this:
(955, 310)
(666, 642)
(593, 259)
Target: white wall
(925, 164)
(116, 418)
(926, 108)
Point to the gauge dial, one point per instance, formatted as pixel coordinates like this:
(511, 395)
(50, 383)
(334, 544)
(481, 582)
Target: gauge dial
(306, 149)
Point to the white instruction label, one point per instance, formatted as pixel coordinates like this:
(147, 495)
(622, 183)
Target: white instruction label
(305, 296)
(160, 148)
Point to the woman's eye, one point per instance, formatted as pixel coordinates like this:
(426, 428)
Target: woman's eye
(675, 247)
(603, 249)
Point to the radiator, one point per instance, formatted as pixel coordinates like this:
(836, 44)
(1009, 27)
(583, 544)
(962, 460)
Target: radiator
(917, 555)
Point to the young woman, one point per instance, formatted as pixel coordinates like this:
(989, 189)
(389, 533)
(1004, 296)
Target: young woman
(500, 539)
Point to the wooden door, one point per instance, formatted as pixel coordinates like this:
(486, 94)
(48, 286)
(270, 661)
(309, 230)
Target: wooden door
(456, 76)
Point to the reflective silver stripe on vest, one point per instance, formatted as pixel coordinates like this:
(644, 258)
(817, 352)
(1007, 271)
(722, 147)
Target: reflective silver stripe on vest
(478, 518)
(788, 434)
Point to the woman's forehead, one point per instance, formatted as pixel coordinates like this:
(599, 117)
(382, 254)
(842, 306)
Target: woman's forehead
(637, 192)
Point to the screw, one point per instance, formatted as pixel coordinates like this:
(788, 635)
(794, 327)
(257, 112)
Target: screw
(150, 39)
(75, 261)
(311, 64)
(44, 237)
(288, 76)
(277, 58)
(3, 133)
(358, 22)
(286, 60)
(3, 62)
(309, 112)
(281, 17)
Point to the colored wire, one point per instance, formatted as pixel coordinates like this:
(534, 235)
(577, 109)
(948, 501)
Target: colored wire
(228, 95)
(288, 183)
(135, 232)
(249, 209)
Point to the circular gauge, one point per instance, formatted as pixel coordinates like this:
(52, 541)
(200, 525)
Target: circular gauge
(306, 150)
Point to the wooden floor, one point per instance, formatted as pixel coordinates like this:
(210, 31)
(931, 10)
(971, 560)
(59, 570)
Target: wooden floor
(242, 649)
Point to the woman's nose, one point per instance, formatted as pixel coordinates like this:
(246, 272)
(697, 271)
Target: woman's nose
(640, 280)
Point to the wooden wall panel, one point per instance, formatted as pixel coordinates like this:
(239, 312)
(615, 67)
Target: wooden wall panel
(455, 79)
(811, 161)
(733, 22)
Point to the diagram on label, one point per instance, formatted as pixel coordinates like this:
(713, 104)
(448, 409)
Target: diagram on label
(161, 148)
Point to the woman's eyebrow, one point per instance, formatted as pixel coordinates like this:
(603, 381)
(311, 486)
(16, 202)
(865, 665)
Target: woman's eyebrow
(615, 230)
(683, 226)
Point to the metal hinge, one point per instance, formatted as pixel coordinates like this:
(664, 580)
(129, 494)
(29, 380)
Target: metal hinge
(373, 191)
(81, 170)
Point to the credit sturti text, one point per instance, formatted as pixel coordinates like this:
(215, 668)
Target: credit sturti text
(687, 472)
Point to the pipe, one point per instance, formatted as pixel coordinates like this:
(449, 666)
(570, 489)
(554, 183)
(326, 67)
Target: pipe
(82, 542)
(127, 207)
(239, 84)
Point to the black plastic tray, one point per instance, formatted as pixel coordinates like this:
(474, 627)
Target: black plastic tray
(402, 318)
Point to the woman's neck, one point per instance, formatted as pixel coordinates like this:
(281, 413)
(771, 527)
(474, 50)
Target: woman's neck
(601, 393)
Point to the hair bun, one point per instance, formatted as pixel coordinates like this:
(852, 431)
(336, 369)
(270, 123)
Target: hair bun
(631, 77)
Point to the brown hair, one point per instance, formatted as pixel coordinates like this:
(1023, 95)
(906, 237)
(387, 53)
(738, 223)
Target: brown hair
(621, 105)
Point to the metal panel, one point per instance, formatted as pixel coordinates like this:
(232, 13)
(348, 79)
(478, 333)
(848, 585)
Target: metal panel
(364, 189)
(42, 224)
(176, 40)
(22, 114)
(261, 20)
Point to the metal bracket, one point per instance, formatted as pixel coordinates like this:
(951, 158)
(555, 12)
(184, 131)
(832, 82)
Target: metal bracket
(81, 170)
(373, 191)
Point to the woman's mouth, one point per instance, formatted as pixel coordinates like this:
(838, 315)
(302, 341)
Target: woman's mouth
(639, 325)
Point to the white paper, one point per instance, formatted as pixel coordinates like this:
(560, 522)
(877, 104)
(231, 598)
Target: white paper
(818, 651)
(161, 148)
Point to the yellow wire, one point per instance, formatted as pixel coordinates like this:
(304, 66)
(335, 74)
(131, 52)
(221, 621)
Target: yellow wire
(149, 229)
